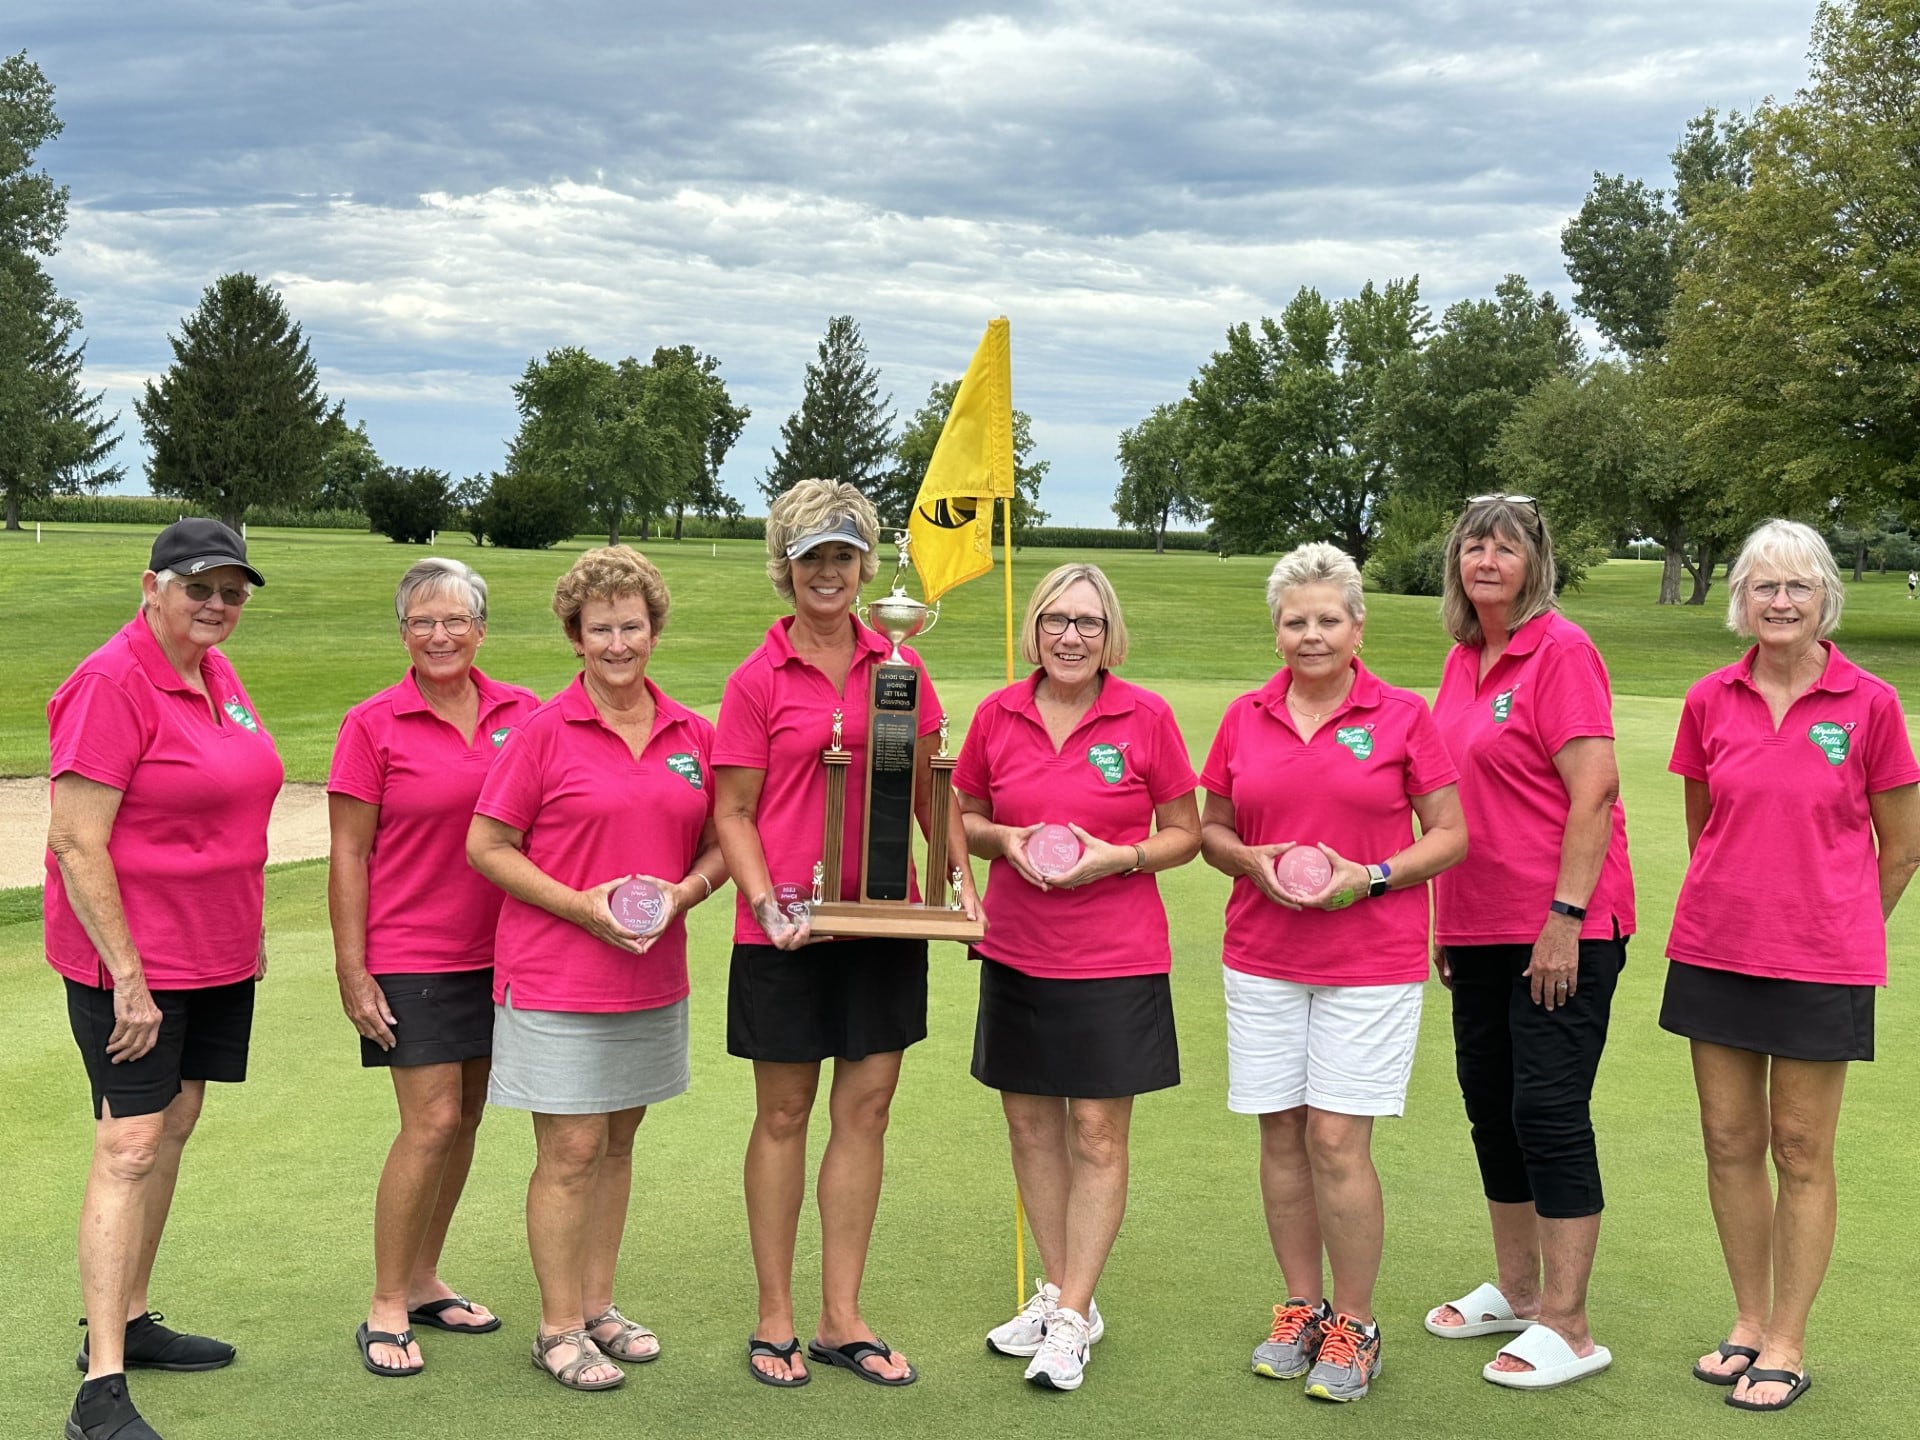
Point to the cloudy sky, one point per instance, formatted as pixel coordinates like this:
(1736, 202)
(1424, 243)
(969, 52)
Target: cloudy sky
(444, 191)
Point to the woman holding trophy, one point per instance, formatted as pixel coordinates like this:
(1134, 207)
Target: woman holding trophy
(1077, 787)
(795, 999)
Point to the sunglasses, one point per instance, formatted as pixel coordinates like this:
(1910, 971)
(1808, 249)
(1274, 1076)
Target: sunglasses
(1526, 500)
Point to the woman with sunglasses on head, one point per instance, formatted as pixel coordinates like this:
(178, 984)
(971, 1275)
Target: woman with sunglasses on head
(163, 782)
(1530, 932)
(1076, 785)
(413, 932)
(1803, 828)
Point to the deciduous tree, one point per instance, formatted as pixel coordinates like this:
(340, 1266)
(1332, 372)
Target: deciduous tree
(1156, 474)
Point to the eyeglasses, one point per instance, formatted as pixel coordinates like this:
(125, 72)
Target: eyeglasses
(1798, 591)
(420, 627)
(199, 592)
(1090, 627)
(1526, 500)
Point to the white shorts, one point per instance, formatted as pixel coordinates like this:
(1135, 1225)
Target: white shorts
(1347, 1049)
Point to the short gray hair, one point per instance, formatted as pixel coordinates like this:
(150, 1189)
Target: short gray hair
(1794, 550)
(440, 572)
(1316, 563)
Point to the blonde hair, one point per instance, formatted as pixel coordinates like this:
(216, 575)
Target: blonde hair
(1113, 640)
(1316, 563)
(1517, 520)
(612, 572)
(809, 507)
(1790, 548)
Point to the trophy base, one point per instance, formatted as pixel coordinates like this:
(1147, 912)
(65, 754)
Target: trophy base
(849, 919)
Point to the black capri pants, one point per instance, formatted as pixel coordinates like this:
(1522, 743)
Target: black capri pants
(1526, 1074)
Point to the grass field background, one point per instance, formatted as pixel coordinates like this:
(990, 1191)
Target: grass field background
(270, 1243)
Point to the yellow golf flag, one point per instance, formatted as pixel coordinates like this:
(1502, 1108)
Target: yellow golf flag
(972, 466)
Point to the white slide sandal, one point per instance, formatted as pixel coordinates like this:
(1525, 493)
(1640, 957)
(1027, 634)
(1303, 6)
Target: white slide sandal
(1553, 1361)
(1485, 1312)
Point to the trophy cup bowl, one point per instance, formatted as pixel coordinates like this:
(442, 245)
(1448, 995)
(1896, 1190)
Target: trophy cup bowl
(899, 617)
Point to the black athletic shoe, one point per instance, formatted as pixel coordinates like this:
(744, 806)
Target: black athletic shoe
(103, 1411)
(152, 1346)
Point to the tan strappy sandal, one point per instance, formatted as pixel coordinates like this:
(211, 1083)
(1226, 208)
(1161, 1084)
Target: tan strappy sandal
(569, 1373)
(620, 1346)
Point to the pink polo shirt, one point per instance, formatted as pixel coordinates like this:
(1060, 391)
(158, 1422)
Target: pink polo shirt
(427, 911)
(1351, 786)
(591, 813)
(777, 716)
(189, 842)
(1785, 881)
(1124, 757)
(1547, 687)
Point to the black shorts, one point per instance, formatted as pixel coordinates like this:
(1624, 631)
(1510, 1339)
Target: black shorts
(1082, 1039)
(442, 1018)
(203, 1036)
(1791, 1019)
(839, 999)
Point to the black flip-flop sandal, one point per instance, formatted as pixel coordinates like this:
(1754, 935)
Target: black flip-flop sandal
(786, 1354)
(849, 1356)
(1728, 1351)
(429, 1315)
(1801, 1383)
(366, 1339)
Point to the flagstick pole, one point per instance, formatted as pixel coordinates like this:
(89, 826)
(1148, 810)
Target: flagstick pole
(1019, 1205)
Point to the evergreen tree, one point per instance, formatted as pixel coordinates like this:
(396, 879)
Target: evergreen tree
(843, 430)
(238, 418)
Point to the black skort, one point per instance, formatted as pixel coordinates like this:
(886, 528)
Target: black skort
(1791, 1019)
(836, 999)
(1081, 1039)
(441, 1018)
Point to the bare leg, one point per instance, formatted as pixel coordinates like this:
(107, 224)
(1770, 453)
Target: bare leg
(559, 1211)
(1346, 1193)
(1098, 1201)
(1286, 1186)
(117, 1243)
(608, 1222)
(1037, 1130)
(776, 1180)
(403, 1206)
(427, 1285)
(1516, 1258)
(1806, 1097)
(1732, 1085)
(1566, 1252)
(848, 1191)
(177, 1122)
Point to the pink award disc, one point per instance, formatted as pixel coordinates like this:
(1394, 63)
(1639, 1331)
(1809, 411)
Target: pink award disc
(639, 906)
(1302, 872)
(1054, 850)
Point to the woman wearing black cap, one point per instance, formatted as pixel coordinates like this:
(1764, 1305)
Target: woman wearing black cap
(163, 781)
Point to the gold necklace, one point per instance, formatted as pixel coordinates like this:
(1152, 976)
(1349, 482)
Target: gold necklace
(1302, 710)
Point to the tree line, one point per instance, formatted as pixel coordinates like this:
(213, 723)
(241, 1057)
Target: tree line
(1761, 317)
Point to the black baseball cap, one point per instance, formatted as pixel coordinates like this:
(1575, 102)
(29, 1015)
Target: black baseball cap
(189, 546)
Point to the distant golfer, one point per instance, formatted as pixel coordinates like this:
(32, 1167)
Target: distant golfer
(163, 781)
(1913, 582)
(1323, 770)
(1077, 787)
(413, 928)
(1803, 823)
(1532, 931)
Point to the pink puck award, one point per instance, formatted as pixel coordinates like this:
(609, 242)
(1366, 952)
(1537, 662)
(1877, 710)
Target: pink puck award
(639, 906)
(1054, 850)
(1302, 872)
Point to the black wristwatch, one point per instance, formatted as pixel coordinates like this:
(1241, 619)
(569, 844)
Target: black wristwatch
(1377, 876)
(1572, 912)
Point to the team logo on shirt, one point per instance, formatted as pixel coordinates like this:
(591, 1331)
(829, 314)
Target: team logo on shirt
(499, 737)
(687, 767)
(1108, 760)
(240, 716)
(1358, 739)
(1503, 706)
(1834, 740)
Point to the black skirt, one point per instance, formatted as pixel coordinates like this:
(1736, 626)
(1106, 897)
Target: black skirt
(1791, 1019)
(839, 999)
(439, 1018)
(1082, 1039)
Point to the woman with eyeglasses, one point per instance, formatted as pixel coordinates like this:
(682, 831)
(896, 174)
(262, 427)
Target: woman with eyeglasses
(1803, 827)
(163, 783)
(1076, 785)
(609, 782)
(1530, 932)
(413, 937)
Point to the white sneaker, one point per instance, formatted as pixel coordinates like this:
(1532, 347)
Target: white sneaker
(1063, 1354)
(1023, 1333)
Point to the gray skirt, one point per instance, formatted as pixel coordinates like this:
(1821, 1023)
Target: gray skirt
(562, 1062)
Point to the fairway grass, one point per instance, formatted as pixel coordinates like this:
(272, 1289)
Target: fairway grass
(270, 1244)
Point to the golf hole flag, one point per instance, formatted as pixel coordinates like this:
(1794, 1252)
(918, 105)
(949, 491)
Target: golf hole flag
(972, 466)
